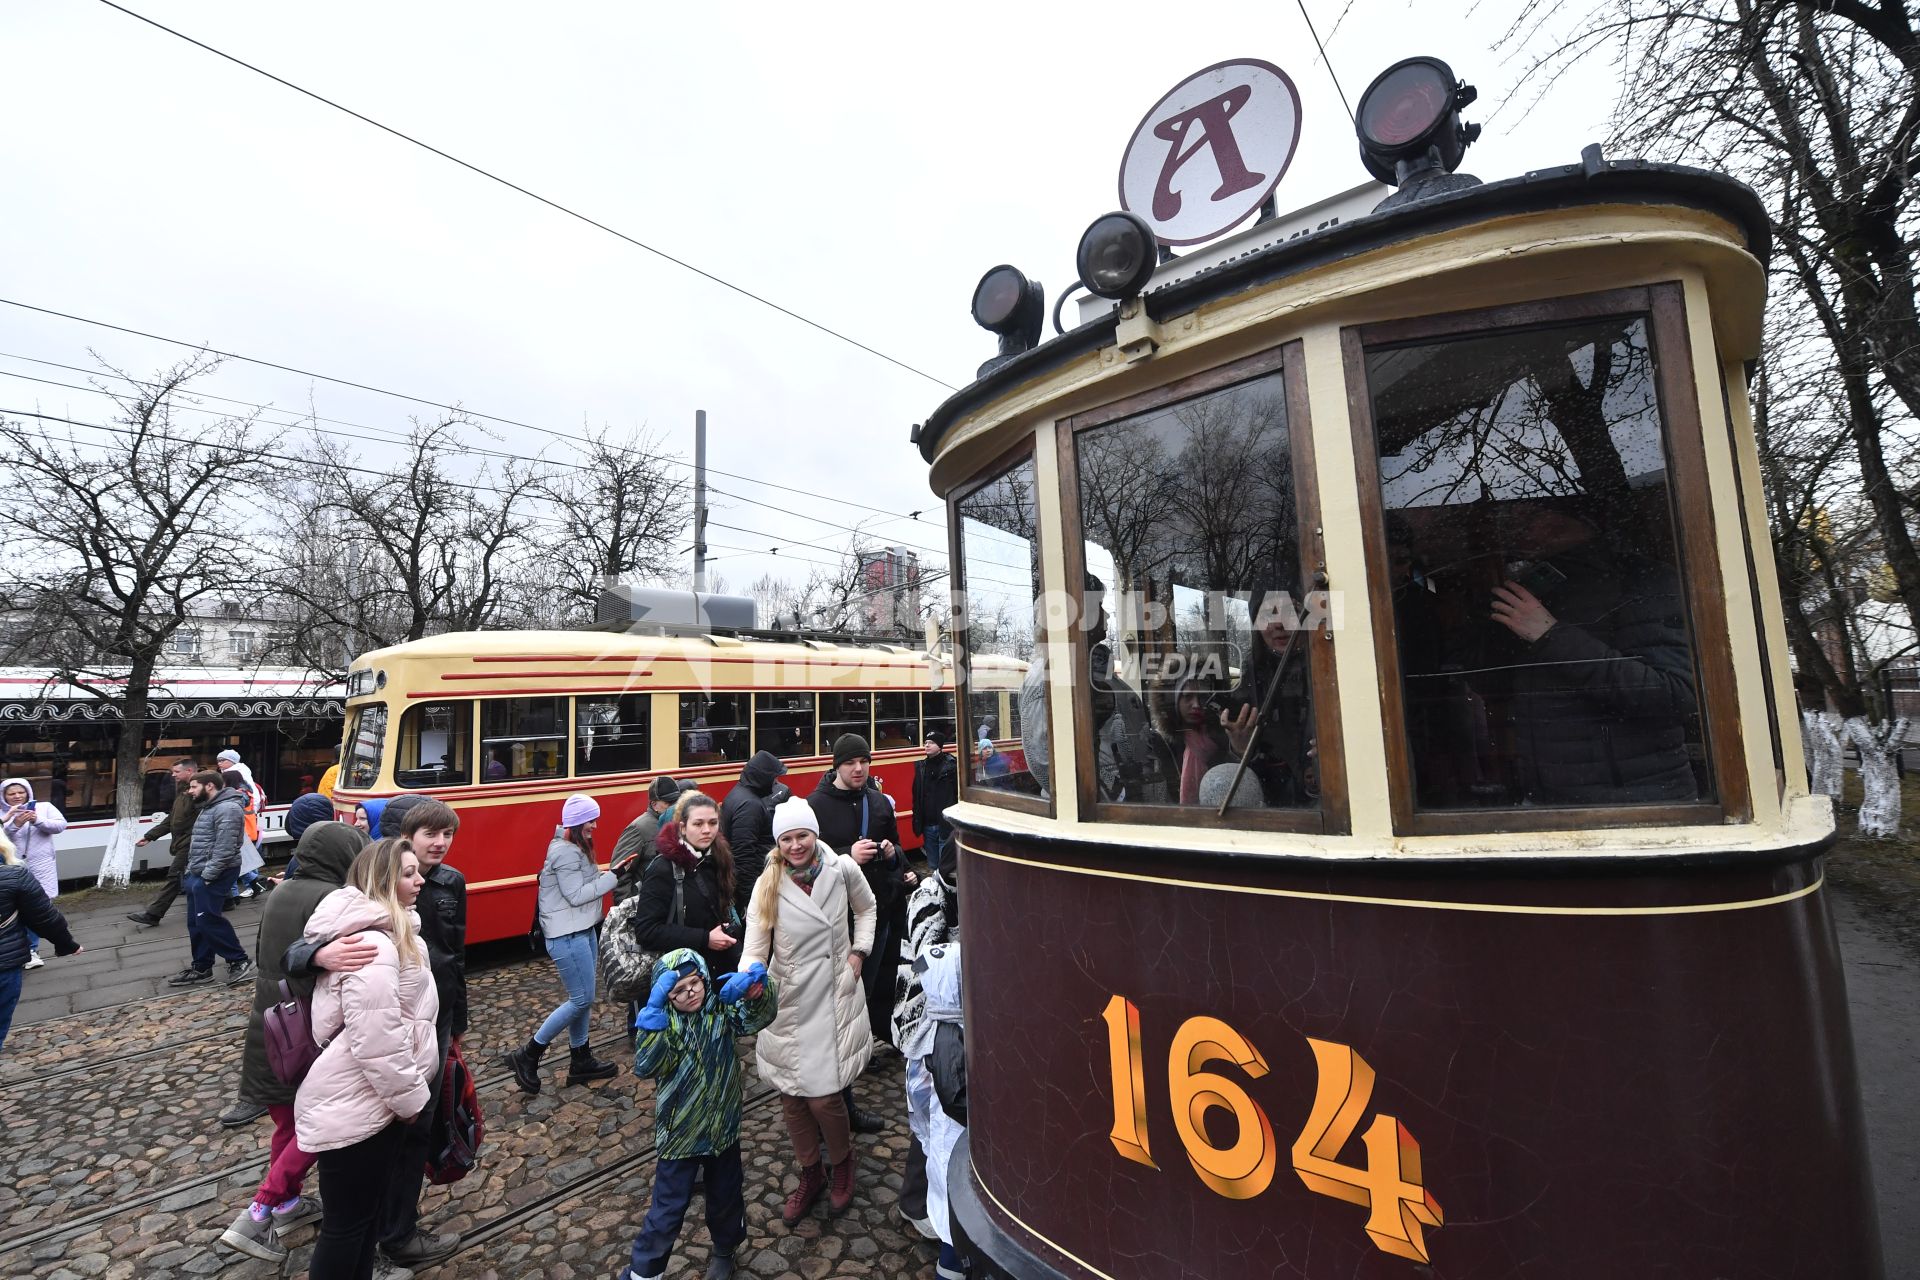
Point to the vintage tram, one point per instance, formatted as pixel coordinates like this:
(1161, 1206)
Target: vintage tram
(1413, 870)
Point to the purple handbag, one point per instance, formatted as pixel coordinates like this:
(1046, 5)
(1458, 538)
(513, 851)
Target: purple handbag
(287, 1028)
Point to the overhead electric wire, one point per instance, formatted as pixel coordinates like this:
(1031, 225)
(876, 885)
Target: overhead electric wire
(1310, 31)
(533, 195)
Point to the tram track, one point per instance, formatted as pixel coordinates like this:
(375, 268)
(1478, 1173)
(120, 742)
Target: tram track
(73, 1228)
(122, 1058)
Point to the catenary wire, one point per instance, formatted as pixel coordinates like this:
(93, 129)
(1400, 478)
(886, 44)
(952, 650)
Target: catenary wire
(1310, 31)
(534, 195)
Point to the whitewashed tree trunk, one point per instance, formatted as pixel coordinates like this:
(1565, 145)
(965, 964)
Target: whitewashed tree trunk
(1826, 774)
(1879, 780)
(116, 864)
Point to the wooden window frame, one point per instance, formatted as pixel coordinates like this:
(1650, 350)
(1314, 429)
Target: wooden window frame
(963, 684)
(1331, 816)
(1676, 394)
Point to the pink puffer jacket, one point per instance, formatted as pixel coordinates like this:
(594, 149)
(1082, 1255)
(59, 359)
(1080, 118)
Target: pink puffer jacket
(377, 1026)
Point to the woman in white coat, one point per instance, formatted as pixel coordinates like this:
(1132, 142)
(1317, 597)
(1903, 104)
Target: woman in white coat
(797, 925)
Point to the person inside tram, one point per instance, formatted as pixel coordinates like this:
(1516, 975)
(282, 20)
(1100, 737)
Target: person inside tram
(1268, 714)
(1601, 670)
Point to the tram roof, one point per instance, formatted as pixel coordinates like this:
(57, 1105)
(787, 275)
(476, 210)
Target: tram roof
(1566, 187)
(567, 645)
(47, 684)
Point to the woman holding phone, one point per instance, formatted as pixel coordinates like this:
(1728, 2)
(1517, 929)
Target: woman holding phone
(31, 825)
(696, 856)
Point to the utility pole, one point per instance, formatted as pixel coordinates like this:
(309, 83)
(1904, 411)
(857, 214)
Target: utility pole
(700, 500)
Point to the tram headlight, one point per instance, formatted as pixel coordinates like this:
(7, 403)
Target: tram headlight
(1007, 303)
(1409, 121)
(1117, 256)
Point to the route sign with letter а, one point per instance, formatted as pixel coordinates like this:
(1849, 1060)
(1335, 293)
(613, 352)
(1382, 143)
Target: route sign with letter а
(1211, 151)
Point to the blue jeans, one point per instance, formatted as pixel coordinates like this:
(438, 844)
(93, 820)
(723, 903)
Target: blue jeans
(574, 955)
(673, 1189)
(9, 997)
(207, 929)
(934, 837)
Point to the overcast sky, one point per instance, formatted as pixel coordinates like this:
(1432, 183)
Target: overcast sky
(854, 163)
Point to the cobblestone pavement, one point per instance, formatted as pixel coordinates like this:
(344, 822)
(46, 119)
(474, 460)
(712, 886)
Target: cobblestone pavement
(115, 1166)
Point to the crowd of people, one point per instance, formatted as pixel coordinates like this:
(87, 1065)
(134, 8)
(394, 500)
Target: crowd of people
(799, 921)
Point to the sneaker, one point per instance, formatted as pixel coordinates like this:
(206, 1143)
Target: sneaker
(241, 1114)
(253, 1237)
(142, 919)
(296, 1212)
(190, 977)
(950, 1267)
(923, 1225)
(34, 961)
(422, 1249)
(720, 1267)
(239, 971)
(385, 1269)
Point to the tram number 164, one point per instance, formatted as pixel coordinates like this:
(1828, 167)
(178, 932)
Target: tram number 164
(1388, 1185)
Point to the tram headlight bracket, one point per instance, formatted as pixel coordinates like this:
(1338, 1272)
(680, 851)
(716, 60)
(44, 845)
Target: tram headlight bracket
(1007, 303)
(1408, 123)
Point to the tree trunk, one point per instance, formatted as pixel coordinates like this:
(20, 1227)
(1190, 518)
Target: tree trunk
(1825, 772)
(1879, 779)
(129, 772)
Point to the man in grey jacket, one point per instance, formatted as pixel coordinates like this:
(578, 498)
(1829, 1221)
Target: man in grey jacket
(213, 865)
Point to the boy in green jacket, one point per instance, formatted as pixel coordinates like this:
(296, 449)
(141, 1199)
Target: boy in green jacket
(683, 1038)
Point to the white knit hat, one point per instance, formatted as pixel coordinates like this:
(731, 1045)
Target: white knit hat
(794, 815)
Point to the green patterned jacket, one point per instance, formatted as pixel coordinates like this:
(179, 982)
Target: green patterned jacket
(697, 1094)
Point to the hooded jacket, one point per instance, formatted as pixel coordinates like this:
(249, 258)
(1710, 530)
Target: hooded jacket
(374, 809)
(22, 899)
(218, 834)
(32, 836)
(697, 1070)
(571, 887)
(305, 811)
(325, 851)
(820, 1041)
(377, 1026)
(746, 819)
(839, 814)
(705, 906)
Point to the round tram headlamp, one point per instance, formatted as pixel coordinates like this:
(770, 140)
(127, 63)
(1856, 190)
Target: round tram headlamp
(1117, 255)
(1000, 297)
(1409, 120)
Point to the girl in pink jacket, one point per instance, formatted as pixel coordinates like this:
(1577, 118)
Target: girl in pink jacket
(371, 1079)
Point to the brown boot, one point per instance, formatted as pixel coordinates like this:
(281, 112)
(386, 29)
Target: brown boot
(813, 1180)
(840, 1188)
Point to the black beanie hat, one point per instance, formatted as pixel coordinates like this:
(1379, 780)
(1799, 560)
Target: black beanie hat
(936, 735)
(664, 788)
(850, 746)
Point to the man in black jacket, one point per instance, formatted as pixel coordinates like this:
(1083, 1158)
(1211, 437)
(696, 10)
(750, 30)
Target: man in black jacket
(178, 825)
(746, 820)
(936, 785)
(24, 905)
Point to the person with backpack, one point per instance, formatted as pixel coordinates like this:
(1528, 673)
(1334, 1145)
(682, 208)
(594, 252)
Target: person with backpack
(683, 1038)
(569, 912)
(374, 1076)
(811, 923)
(633, 852)
(695, 867)
(25, 912)
(325, 852)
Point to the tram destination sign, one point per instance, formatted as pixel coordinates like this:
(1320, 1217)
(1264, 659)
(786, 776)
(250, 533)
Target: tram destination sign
(1211, 151)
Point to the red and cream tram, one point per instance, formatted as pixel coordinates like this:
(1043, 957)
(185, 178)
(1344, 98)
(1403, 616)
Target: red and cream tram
(505, 725)
(1461, 913)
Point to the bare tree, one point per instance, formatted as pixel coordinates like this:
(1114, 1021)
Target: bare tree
(621, 513)
(129, 530)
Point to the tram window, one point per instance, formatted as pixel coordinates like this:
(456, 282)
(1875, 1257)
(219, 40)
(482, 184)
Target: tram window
(1545, 642)
(896, 721)
(366, 738)
(1000, 557)
(783, 723)
(522, 738)
(613, 734)
(436, 745)
(844, 713)
(1194, 625)
(713, 730)
(936, 711)
(983, 713)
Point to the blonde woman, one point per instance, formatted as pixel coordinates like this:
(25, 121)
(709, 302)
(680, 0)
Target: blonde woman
(377, 1024)
(797, 925)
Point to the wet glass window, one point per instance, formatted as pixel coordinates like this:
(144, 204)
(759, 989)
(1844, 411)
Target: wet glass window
(844, 713)
(713, 730)
(366, 738)
(523, 738)
(783, 723)
(1542, 628)
(896, 721)
(612, 734)
(1196, 628)
(1000, 552)
(436, 746)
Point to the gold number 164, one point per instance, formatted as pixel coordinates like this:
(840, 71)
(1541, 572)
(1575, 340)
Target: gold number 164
(1388, 1185)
